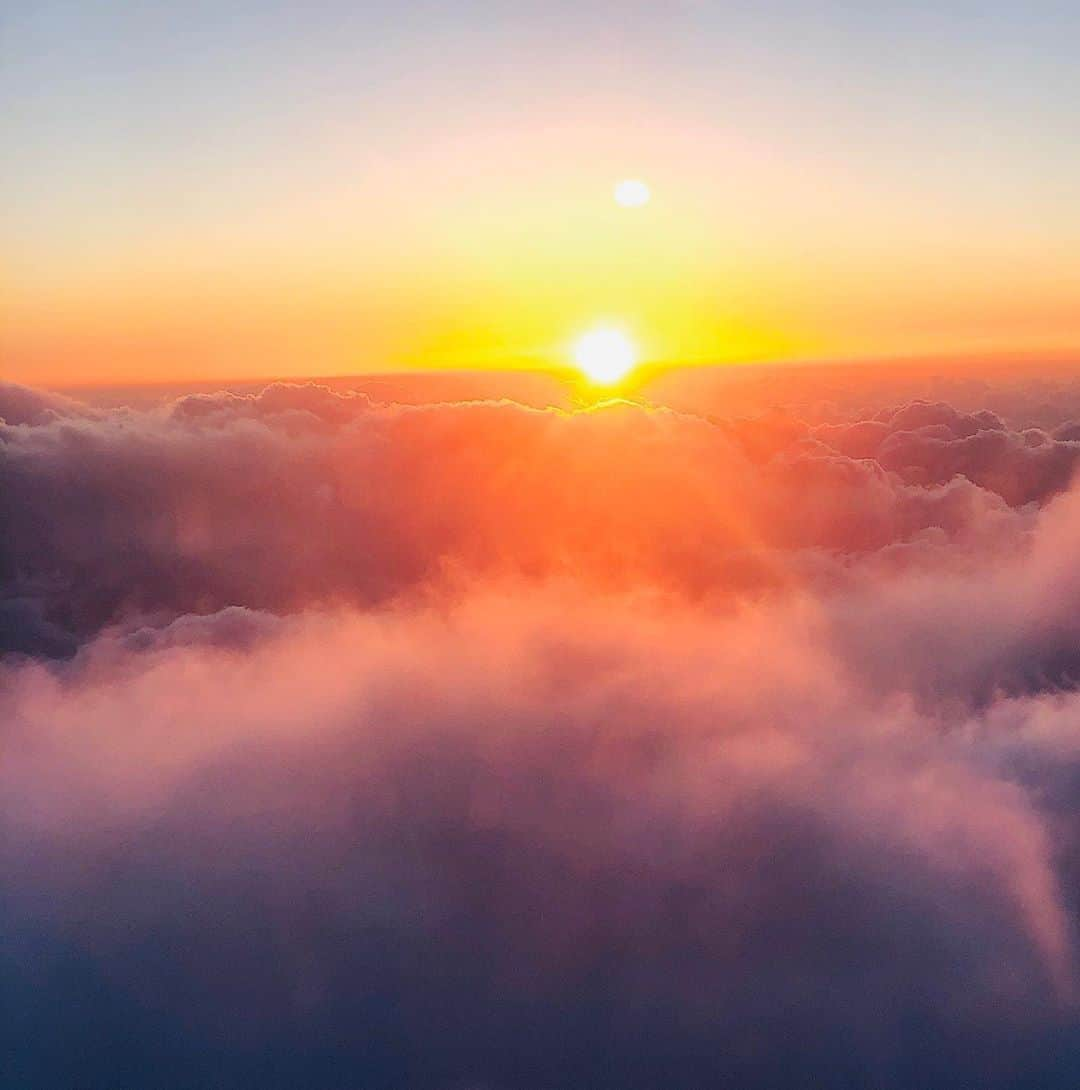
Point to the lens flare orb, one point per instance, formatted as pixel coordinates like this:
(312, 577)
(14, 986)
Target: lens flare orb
(632, 193)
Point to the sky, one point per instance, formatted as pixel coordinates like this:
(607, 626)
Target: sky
(240, 189)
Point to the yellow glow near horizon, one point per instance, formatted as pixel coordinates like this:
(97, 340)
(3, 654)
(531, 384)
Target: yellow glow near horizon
(632, 193)
(490, 273)
(605, 355)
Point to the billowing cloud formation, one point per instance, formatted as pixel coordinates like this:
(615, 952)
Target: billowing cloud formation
(300, 496)
(470, 745)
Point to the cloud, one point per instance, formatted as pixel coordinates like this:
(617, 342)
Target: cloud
(299, 496)
(25, 405)
(527, 842)
(465, 744)
(928, 443)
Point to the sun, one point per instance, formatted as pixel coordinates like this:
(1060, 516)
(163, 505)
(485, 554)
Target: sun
(605, 355)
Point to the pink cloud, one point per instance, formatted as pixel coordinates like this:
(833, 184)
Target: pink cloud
(471, 744)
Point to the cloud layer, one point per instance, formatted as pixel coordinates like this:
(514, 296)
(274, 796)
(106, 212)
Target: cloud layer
(474, 745)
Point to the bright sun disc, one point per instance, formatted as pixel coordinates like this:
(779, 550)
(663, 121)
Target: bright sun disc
(632, 193)
(605, 356)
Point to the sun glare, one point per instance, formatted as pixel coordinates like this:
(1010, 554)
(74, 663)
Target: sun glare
(605, 356)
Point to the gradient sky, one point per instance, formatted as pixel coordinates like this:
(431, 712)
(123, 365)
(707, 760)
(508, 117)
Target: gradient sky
(241, 189)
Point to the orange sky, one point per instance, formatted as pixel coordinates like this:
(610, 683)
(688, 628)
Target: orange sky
(314, 206)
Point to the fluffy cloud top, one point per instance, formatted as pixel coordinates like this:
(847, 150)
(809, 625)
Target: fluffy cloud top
(475, 745)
